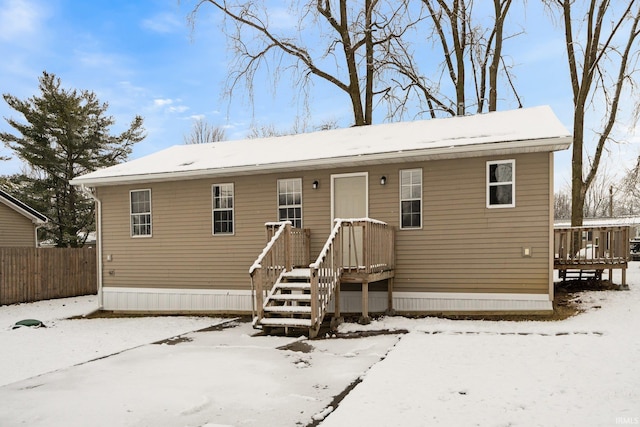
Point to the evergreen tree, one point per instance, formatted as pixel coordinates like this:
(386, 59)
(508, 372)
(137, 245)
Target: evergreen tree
(66, 134)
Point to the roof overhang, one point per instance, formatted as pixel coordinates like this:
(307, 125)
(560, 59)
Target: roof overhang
(426, 154)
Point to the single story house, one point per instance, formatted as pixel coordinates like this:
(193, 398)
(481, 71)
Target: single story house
(19, 222)
(469, 199)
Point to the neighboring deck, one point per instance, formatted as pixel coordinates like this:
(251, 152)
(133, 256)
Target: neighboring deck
(591, 249)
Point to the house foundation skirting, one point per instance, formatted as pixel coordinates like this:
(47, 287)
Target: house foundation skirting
(176, 300)
(239, 301)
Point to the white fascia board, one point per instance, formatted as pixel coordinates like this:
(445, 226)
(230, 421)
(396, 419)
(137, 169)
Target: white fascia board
(441, 153)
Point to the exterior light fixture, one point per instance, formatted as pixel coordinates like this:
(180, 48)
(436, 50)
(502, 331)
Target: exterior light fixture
(315, 184)
(383, 180)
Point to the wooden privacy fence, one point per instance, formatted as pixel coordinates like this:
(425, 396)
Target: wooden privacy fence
(35, 274)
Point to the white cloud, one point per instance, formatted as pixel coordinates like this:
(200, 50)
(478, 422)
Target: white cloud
(178, 109)
(19, 19)
(162, 102)
(163, 23)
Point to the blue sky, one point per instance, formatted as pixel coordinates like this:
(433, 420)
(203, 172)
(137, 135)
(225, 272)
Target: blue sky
(143, 58)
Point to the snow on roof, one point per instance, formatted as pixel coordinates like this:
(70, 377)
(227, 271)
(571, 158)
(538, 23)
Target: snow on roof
(22, 208)
(523, 130)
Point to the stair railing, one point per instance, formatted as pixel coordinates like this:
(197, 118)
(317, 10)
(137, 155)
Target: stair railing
(368, 250)
(273, 261)
(325, 275)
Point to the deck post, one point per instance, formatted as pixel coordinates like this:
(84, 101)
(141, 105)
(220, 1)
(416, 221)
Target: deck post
(364, 319)
(337, 318)
(259, 293)
(314, 298)
(390, 310)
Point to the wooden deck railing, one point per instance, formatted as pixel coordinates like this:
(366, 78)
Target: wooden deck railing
(363, 246)
(275, 259)
(300, 251)
(591, 246)
(369, 246)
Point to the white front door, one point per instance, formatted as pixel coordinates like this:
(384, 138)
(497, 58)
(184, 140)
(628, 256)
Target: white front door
(350, 199)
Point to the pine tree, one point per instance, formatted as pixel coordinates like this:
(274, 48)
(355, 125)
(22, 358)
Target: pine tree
(66, 133)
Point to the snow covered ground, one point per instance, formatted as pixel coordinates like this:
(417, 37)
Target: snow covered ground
(107, 372)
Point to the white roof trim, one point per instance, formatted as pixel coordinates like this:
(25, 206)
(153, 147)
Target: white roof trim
(510, 132)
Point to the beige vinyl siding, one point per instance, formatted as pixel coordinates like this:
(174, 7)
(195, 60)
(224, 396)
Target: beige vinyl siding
(462, 247)
(16, 230)
(466, 247)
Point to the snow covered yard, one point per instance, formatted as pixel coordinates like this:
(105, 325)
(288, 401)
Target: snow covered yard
(580, 371)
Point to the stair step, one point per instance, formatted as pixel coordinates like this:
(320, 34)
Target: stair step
(289, 309)
(298, 273)
(286, 322)
(294, 286)
(290, 297)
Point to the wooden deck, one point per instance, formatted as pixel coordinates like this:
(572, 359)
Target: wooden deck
(591, 249)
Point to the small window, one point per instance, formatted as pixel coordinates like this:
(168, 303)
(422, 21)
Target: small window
(411, 198)
(290, 201)
(222, 195)
(501, 184)
(140, 209)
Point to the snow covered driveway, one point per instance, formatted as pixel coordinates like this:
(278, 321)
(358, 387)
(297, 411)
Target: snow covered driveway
(581, 371)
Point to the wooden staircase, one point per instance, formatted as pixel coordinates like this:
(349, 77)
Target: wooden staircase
(288, 296)
(288, 304)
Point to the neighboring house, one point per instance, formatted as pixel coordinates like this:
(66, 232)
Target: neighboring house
(470, 199)
(18, 222)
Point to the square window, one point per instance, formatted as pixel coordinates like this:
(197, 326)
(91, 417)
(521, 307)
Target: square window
(501, 184)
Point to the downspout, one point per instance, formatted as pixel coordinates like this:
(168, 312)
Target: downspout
(88, 193)
(36, 232)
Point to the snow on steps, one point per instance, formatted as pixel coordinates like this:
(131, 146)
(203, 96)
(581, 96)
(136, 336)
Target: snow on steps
(289, 309)
(298, 273)
(285, 322)
(291, 297)
(287, 306)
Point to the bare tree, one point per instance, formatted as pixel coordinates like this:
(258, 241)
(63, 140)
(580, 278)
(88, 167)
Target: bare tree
(266, 131)
(562, 204)
(602, 49)
(339, 42)
(202, 132)
(472, 59)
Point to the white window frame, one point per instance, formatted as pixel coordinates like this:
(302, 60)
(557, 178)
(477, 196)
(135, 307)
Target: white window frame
(490, 163)
(214, 210)
(285, 206)
(411, 199)
(132, 214)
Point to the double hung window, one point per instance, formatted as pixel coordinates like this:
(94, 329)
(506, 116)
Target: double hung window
(222, 195)
(290, 201)
(140, 212)
(411, 198)
(501, 184)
